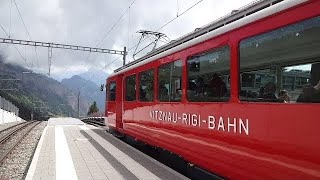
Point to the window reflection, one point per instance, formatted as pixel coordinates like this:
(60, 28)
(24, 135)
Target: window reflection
(112, 91)
(282, 65)
(208, 76)
(130, 94)
(169, 81)
(146, 86)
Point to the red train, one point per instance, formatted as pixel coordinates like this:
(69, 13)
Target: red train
(238, 98)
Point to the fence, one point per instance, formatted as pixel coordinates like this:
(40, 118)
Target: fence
(8, 106)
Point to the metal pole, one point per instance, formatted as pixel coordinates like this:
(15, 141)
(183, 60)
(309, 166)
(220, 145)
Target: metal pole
(79, 104)
(49, 58)
(32, 114)
(33, 105)
(124, 55)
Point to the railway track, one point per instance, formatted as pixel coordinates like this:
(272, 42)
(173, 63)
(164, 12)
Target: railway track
(6, 129)
(94, 122)
(12, 136)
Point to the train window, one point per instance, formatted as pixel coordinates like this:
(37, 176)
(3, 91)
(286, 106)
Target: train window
(130, 93)
(146, 86)
(112, 91)
(208, 76)
(282, 65)
(169, 82)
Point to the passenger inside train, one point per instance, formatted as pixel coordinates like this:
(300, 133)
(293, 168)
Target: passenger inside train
(272, 66)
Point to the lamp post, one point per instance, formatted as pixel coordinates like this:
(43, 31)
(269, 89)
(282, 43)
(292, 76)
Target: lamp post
(79, 104)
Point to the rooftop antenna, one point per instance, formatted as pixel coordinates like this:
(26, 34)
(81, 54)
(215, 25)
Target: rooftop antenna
(157, 37)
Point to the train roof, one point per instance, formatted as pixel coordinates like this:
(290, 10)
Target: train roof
(237, 18)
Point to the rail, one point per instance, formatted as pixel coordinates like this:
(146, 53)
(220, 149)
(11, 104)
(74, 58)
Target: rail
(96, 121)
(14, 130)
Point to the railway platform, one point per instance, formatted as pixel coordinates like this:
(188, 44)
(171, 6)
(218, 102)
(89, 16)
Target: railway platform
(70, 149)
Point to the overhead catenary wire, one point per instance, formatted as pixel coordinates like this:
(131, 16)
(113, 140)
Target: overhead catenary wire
(114, 25)
(106, 35)
(15, 3)
(28, 32)
(179, 15)
(188, 9)
(129, 27)
(22, 57)
(167, 23)
(108, 32)
(161, 27)
(10, 19)
(177, 8)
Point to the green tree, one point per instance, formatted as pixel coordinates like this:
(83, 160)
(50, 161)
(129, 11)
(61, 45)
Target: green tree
(93, 108)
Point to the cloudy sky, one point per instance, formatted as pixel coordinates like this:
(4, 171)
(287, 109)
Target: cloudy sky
(87, 22)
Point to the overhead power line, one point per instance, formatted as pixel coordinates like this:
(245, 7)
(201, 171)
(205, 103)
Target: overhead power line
(178, 15)
(10, 18)
(15, 3)
(114, 25)
(28, 32)
(106, 35)
(22, 57)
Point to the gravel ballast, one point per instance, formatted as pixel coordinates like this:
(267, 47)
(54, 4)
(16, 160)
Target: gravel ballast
(17, 163)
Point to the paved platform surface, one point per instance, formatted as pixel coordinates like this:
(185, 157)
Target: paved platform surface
(69, 149)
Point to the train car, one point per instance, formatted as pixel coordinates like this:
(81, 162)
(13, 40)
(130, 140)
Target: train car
(238, 98)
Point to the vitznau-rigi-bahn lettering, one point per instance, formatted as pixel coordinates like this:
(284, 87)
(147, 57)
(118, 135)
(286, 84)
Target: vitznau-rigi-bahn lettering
(218, 123)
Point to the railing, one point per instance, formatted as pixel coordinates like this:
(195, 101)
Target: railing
(8, 106)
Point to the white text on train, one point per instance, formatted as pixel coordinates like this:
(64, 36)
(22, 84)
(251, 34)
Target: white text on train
(218, 123)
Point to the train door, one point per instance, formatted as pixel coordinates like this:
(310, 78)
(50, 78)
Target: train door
(114, 102)
(111, 102)
(119, 101)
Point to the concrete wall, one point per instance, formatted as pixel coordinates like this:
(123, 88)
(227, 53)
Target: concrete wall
(6, 117)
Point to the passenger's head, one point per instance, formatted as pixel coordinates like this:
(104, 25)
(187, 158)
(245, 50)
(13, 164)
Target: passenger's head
(283, 96)
(215, 76)
(282, 93)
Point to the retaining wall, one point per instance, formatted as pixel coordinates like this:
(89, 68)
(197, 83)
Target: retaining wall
(7, 117)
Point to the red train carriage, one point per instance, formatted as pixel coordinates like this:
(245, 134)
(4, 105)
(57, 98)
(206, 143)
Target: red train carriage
(238, 98)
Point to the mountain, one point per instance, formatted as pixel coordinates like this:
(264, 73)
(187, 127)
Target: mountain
(42, 94)
(88, 90)
(95, 75)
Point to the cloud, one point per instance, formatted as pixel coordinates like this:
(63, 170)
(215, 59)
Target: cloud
(83, 22)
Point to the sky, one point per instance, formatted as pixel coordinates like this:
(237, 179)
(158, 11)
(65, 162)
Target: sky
(105, 24)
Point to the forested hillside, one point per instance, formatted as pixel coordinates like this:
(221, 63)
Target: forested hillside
(44, 95)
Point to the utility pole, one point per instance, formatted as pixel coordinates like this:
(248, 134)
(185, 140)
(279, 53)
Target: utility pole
(124, 55)
(49, 58)
(79, 104)
(33, 105)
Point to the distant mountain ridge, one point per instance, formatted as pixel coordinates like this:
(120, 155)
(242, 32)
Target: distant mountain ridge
(88, 90)
(95, 75)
